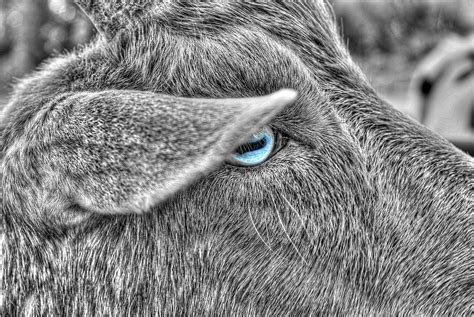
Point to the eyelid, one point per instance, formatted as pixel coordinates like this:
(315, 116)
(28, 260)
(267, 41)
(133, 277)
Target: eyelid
(281, 141)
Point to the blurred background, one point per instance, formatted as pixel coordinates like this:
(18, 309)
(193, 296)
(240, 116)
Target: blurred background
(33, 30)
(405, 47)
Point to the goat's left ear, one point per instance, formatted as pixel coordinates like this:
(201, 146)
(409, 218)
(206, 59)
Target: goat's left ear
(110, 16)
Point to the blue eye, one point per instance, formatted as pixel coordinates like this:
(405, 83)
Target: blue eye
(256, 150)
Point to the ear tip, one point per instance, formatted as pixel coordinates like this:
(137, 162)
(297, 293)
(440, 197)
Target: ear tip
(285, 95)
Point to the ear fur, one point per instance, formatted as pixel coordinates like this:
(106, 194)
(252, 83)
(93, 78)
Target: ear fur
(125, 151)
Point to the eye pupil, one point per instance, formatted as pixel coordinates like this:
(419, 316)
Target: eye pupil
(253, 146)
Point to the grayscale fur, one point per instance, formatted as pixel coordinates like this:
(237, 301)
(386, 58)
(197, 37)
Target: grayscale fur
(117, 199)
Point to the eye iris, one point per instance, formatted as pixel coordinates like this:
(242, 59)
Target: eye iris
(257, 150)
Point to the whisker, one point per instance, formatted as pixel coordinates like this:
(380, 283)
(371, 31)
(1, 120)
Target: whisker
(284, 229)
(299, 217)
(258, 233)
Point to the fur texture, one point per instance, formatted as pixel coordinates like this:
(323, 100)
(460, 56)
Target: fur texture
(363, 212)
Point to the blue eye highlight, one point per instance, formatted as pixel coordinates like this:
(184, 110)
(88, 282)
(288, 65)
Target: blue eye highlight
(256, 150)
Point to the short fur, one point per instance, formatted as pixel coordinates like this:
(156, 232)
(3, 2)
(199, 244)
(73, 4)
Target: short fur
(363, 212)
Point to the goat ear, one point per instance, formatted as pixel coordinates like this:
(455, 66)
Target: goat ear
(143, 147)
(110, 16)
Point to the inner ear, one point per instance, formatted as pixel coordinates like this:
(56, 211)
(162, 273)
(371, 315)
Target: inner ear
(111, 16)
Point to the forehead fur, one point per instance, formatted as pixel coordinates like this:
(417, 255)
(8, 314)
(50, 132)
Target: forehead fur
(236, 32)
(196, 18)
